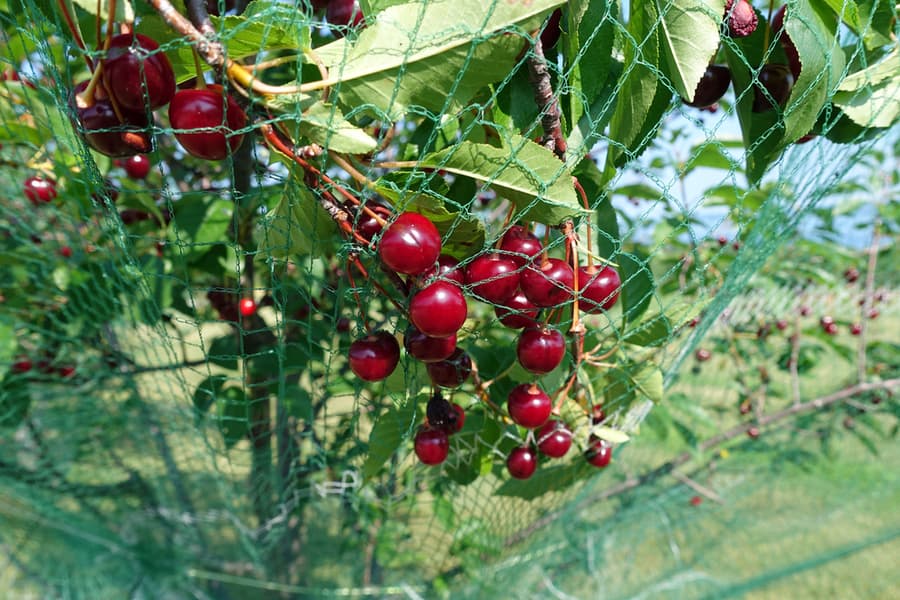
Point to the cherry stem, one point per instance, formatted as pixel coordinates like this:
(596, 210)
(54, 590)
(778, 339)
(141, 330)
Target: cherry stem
(347, 166)
(506, 222)
(67, 10)
(201, 80)
(86, 98)
(110, 23)
(768, 31)
(587, 207)
(481, 391)
(562, 393)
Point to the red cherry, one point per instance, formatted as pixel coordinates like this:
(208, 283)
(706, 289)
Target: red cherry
(438, 310)
(38, 189)
(375, 356)
(367, 225)
(65, 252)
(432, 445)
(137, 166)
(702, 355)
(66, 371)
(517, 312)
(451, 372)
(344, 13)
(598, 453)
(554, 439)
(851, 274)
(440, 414)
(599, 289)
(550, 34)
(137, 74)
(460, 419)
(493, 279)
(722, 240)
(753, 432)
(247, 307)
(777, 81)
(520, 244)
(696, 500)
(781, 324)
(711, 87)
(448, 268)
(521, 462)
(540, 349)
(97, 123)
(825, 321)
(873, 313)
(207, 109)
(598, 415)
(410, 245)
(22, 365)
(805, 311)
(830, 329)
(549, 284)
(425, 348)
(528, 405)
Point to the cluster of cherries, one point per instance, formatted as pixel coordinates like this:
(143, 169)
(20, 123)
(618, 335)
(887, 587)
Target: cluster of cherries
(113, 110)
(519, 280)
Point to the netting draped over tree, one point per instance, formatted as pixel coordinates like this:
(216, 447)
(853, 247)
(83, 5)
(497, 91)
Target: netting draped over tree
(327, 298)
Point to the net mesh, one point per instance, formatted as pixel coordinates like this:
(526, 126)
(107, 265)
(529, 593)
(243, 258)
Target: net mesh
(161, 443)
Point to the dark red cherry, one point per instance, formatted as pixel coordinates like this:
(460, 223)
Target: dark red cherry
(247, 307)
(22, 365)
(528, 405)
(540, 349)
(425, 348)
(521, 462)
(599, 289)
(439, 309)
(367, 225)
(554, 439)
(830, 329)
(441, 414)
(137, 74)
(856, 329)
(493, 278)
(137, 167)
(375, 356)
(851, 274)
(753, 432)
(212, 110)
(344, 13)
(520, 245)
(448, 268)
(787, 43)
(712, 86)
(548, 284)
(702, 355)
(740, 17)
(460, 419)
(598, 453)
(66, 252)
(777, 81)
(598, 415)
(517, 312)
(432, 445)
(410, 245)
(38, 189)
(781, 324)
(550, 34)
(101, 129)
(451, 372)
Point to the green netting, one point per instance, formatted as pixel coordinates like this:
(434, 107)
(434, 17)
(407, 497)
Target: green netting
(155, 441)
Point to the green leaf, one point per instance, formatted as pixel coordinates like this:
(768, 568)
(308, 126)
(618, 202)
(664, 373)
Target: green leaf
(526, 173)
(689, 38)
(619, 389)
(637, 286)
(325, 125)
(207, 391)
(199, 223)
(8, 341)
(587, 44)
(224, 352)
(391, 428)
(124, 10)
(298, 224)
(648, 380)
(435, 54)
(613, 436)
(871, 97)
(234, 416)
(546, 479)
(15, 400)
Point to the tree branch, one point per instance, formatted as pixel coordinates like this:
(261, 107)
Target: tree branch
(539, 77)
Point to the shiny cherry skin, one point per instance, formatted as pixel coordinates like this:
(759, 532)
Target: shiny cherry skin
(137, 74)
(599, 289)
(554, 439)
(375, 356)
(520, 245)
(540, 349)
(521, 462)
(22, 365)
(548, 284)
(432, 446)
(425, 348)
(518, 312)
(528, 405)
(448, 268)
(492, 278)
(712, 86)
(137, 166)
(38, 189)
(209, 108)
(460, 420)
(778, 82)
(551, 32)
(439, 309)
(598, 453)
(247, 307)
(344, 13)
(410, 245)
(101, 129)
(451, 372)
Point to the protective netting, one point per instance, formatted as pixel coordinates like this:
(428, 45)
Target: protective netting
(178, 415)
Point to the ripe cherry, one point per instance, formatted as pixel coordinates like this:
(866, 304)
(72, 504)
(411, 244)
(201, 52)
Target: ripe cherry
(521, 462)
(551, 32)
(517, 312)
(344, 12)
(549, 284)
(825, 321)
(247, 307)
(540, 349)
(425, 348)
(873, 313)
(410, 245)
(66, 252)
(856, 329)
(441, 414)
(740, 17)
(787, 43)
(22, 365)
(696, 500)
(777, 80)
(448, 268)
(460, 420)
(217, 117)
(493, 278)
(781, 324)
(753, 432)
(451, 372)
(554, 439)
(432, 445)
(599, 289)
(438, 310)
(66, 371)
(375, 356)
(521, 245)
(851, 274)
(137, 166)
(100, 127)
(598, 453)
(528, 405)
(805, 311)
(137, 74)
(598, 415)
(38, 189)
(711, 87)
(702, 355)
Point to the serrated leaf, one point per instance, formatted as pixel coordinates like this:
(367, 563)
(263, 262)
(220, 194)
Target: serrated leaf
(871, 97)
(297, 225)
(526, 173)
(233, 416)
(199, 223)
(325, 125)
(391, 428)
(587, 44)
(689, 38)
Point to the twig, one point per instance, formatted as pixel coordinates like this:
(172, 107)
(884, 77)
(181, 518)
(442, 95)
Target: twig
(539, 77)
(700, 489)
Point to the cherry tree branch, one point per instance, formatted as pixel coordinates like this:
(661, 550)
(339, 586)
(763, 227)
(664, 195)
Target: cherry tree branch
(539, 77)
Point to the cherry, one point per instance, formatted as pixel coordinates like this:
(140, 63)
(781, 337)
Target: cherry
(598, 453)
(550, 284)
(873, 313)
(448, 268)
(722, 240)
(410, 245)
(711, 87)
(550, 34)
(425, 348)
(342, 325)
(22, 365)
(442, 415)
(702, 355)
(247, 307)
(825, 321)
(599, 289)
(66, 371)
(851, 274)
(528, 405)
(38, 189)
(493, 278)
(207, 109)
(137, 74)
(367, 225)
(805, 311)
(598, 415)
(856, 329)
(137, 166)
(696, 500)
(787, 43)
(741, 18)
(451, 372)
(460, 418)
(432, 445)
(375, 356)
(65, 252)
(554, 439)
(753, 432)
(438, 310)
(745, 408)
(521, 244)
(517, 312)
(781, 324)
(540, 349)
(521, 462)
(344, 12)
(777, 80)
(100, 127)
